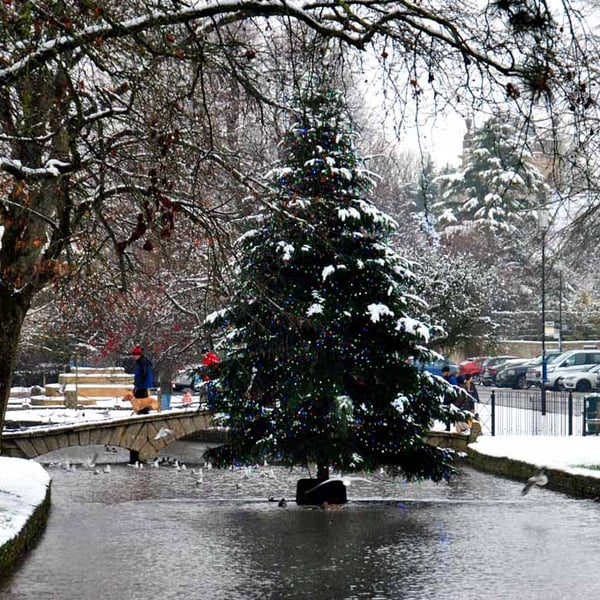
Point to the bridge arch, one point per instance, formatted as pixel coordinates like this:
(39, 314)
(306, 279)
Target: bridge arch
(136, 433)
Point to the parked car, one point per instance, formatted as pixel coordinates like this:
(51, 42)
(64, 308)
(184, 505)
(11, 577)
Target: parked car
(571, 360)
(513, 373)
(490, 368)
(472, 366)
(186, 378)
(582, 381)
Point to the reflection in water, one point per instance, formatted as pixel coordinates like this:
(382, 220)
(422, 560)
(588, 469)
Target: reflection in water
(168, 533)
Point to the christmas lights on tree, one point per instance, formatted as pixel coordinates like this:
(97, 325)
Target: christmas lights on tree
(321, 336)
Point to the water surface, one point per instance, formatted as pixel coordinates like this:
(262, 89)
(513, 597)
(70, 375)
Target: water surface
(160, 533)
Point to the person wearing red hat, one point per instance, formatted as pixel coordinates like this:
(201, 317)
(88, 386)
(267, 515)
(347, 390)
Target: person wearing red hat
(143, 378)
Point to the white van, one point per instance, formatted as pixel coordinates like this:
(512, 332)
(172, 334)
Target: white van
(561, 365)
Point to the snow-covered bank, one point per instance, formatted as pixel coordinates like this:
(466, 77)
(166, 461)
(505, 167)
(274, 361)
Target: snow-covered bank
(24, 499)
(572, 463)
(574, 455)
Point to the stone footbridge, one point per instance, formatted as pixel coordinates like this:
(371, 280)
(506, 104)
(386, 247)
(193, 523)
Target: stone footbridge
(135, 433)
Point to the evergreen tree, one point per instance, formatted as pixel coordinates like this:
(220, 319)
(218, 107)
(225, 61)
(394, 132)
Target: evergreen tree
(320, 334)
(499, 185)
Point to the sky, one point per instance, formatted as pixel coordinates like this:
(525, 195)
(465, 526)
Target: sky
(441, 138)
(23, 483)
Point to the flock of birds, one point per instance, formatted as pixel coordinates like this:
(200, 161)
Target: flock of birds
(538, 479)
(164, 462)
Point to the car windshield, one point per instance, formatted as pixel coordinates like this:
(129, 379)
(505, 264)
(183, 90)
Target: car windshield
(549, 359)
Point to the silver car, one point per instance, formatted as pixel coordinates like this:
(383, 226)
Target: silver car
(564, 364)
(582, 381)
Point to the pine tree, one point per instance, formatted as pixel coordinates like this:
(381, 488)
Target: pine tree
(499, 185)
(322, 330)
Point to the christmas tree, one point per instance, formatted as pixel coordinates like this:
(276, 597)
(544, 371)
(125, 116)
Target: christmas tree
(324, 328)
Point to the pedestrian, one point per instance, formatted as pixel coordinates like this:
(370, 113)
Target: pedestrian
(466, 402)
(469, 385)
(210, 362)
(143, 377)
(187, 399)
(448, 375)
(448, 397)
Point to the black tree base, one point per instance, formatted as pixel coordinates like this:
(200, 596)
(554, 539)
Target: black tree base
(318, 491)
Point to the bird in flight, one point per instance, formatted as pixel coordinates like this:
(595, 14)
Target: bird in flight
(538, 478)
(163, 432)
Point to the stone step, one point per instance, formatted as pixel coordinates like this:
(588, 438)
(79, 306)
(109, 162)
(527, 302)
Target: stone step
(100, 401)
(100, 370)
(97, 390)
(47, 401)
(102, 378)
(53, 389)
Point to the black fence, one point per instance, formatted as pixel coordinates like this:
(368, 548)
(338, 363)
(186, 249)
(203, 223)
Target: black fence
(512, 412)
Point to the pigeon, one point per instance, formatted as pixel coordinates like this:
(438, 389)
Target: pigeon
(282, 503)
(538, 478)
(163, 432)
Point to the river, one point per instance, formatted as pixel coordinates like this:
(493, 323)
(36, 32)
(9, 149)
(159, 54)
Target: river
(213, 534)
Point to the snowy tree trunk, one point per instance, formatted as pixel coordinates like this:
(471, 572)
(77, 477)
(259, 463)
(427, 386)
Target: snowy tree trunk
(13, 310)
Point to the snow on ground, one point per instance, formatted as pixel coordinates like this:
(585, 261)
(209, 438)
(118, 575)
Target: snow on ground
(23, 485)
(569, 454)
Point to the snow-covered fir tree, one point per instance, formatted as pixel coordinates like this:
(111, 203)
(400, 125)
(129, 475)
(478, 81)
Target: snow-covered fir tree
(324, 323)
(499, 186)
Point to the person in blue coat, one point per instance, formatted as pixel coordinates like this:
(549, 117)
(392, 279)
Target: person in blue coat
(451, 379)
(143, 377)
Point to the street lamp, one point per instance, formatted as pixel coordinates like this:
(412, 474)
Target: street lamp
(543, 224)
(560, 268)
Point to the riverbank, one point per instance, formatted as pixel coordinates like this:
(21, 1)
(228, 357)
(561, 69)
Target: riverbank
(573, 463)
(24, 506)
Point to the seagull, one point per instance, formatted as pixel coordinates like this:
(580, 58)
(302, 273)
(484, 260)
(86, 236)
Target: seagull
(538, 478)
(163, 432)
(156, 463)
(107, 468)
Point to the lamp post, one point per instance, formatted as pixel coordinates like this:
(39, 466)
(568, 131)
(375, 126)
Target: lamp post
(543, 224)
(560, 300)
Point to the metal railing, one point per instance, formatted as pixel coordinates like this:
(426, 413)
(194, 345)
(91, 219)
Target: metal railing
(512, 412)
